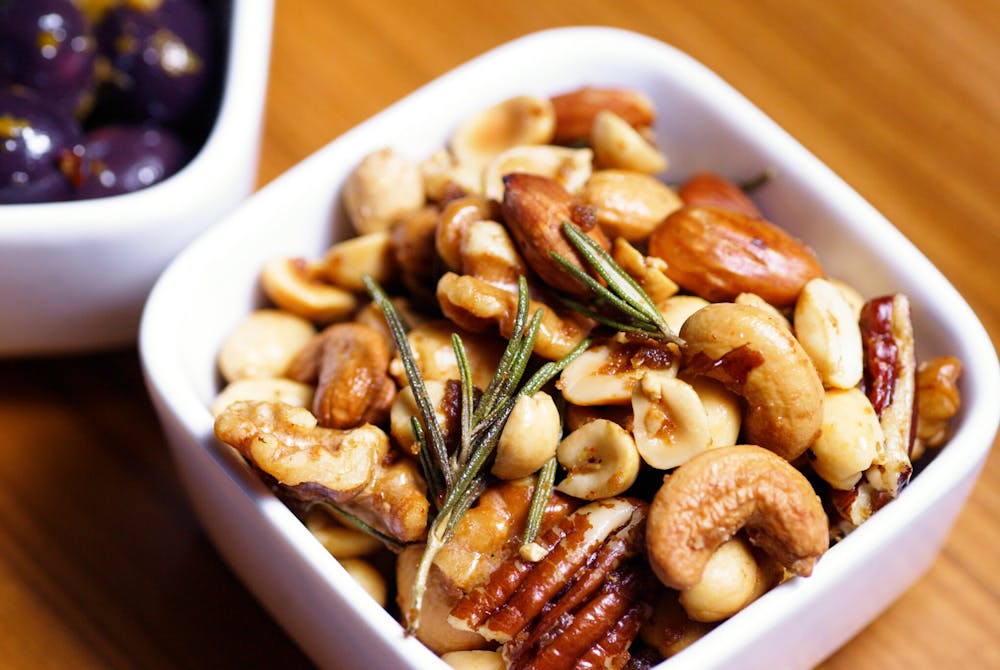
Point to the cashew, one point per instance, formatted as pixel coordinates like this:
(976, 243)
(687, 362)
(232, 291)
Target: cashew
(529, 438)
(569, 167)
(618, 145)
(649, 272)
(605, 374)
(754, 356)
(722, 408)
(275, 389)
(405, 407)
(489, 254)
(715, 494)
(826, 328)
(340, 540)
(850, 439)
(523, 119)
(601, 460)
(755, 300)
(676, 309)
(731, 580)
(456, 216)
(474, 659)
(263, 345)
(670, 424)
(435, 355)
(293, 284)
(345, 263)
(382, 188)
(370, 579)
(478, 306)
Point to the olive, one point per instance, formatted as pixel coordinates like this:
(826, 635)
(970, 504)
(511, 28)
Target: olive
(122, 158)
(47, 45)
(34, 135)
(158, 58)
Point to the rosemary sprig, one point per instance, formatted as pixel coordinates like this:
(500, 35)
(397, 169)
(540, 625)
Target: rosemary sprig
(544, 483)
(622, 293)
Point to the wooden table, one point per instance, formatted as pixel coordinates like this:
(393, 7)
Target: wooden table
(102, 564)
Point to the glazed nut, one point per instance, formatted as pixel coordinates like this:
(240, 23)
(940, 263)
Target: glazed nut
(434, 354)
(714, 495)
(263, 345)
(676, 309)
(345, 263)
(851, 437)
(648, 272)
(938, 398)
(826, 328)
(713, 190)
(731, 580)
(524, 119)
(618, 145)
(294, 285)
(601, 460)
(405, 407)
(629, 204)
(275, 389)
(670, 424)
(529, 438)
(570, 167)
(755, 356)
(534, 209)
(605, 374)
(382, 188)
(718, 254)
(340, 540)
(455, 217)
(576, 110)
(368, 578)
(489, 254)
(479, 306)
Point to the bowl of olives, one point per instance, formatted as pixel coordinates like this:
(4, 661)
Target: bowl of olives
(126, 128)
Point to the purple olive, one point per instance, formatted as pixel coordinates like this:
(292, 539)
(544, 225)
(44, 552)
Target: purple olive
(159, 58)
(47, 45)
(125, 158)
(34, 135)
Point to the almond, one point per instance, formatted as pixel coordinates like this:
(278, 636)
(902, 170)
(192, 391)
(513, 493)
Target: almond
(575, 111)
(713, 190)
(717, 254)
(534, 209)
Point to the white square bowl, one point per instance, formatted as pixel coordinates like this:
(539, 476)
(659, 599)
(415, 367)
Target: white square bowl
(703, 123)
(75, 275)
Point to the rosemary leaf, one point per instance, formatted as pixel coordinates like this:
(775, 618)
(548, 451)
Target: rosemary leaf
(489, 398)
(544, 483)
(467, 400)
(426, 464)
(602, 292)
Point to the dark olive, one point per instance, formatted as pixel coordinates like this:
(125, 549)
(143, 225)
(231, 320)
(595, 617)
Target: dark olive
(125, 158)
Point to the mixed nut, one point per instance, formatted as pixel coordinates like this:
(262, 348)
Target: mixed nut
(684, 461)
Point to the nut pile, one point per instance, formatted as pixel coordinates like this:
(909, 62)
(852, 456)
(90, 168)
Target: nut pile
(694, 473)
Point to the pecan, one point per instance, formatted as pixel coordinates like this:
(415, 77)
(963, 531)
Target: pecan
(582, 603)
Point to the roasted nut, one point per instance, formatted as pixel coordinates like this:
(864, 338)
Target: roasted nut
(345, 263)
(731, 580)
(474, 659)
(414, 253)
(275, 389)
(442, 174)
(826, 328)
(434, 354)
(294, 285)
(851, 296)
(606, 373)
(524, 119)
(575, 111)
(489, 254)
(534, 209)
(601, 460)
(755, 300)
(456, 216)
(263, 345)
(570, 167)
(669, 630)
(713, 190)
(648, 272)
(722, 408)
(938, 399)
(350, 363)
(676, 309)
(711, 497)
(718, 254)
(755, 356)
(382, 188)
(340, 540)
(629, 204)
(368, 577)
(405, 406)
(479, 306)
(850, 438)
(529, 438)
(618, 145)
(670, 424)
(578, 415)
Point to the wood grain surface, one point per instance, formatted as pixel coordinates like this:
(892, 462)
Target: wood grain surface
(102, 563)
